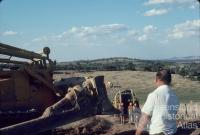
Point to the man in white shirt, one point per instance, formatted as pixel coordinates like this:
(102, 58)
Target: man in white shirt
(160, 108)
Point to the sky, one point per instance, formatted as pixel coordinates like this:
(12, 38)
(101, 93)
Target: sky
(91, 29)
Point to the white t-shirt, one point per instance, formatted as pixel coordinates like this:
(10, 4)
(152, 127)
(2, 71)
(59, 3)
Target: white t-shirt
(162, 106)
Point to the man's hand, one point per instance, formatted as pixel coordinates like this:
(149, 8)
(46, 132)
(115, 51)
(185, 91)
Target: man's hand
(142, 123)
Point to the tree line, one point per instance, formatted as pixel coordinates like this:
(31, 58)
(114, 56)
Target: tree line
(187, 70)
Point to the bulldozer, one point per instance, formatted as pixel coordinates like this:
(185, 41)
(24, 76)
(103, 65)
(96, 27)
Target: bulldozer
(31, 103)
(26, 84)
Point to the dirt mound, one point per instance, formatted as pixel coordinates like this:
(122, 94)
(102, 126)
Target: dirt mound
(105, 124)
(89, 126)
(110, 125)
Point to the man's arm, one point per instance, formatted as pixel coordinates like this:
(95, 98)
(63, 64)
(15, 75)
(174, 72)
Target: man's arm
(142, 123)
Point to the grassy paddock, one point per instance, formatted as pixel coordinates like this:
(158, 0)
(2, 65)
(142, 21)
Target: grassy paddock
(189, 111)
(142, 83)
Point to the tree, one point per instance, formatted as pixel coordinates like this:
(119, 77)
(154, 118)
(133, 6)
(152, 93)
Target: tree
(130, 66)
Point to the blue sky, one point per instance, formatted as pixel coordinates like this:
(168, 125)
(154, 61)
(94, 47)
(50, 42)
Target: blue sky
(90, 29)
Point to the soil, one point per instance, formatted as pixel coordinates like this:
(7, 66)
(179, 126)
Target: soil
(110, 125)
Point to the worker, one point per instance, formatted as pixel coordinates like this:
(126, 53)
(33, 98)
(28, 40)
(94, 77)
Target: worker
(160, 108)
(122, 114)
(130, 112)
(136, 113)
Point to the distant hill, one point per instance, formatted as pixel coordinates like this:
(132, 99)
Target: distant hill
(104, 60)
(186, 66)
(110, 60)
(187, 59)
(113, 64)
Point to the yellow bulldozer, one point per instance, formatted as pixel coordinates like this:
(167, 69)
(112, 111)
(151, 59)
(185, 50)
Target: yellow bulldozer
(31, 103)
(24, 83)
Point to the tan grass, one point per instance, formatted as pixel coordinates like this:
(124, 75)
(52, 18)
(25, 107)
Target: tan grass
(143, 83)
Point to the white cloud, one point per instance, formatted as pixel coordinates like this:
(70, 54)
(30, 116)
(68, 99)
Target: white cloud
(142, 38)
(98, 30)
(42, 39)
(111, 34)
(133, 33)
(151, 2)
(192, 4)
(154, 2)
(149, 28)
(86, 35)
(187, 29)
(147, 33)
(185, 1)
(154, 12)
(9, 33)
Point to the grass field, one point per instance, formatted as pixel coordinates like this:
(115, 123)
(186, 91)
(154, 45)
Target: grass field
(143, 83)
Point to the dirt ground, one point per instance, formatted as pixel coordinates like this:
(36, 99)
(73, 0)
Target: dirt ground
(110, 125)
(101, 124)
(142, 84)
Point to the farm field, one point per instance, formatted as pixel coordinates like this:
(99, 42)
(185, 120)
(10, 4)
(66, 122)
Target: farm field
(142, 83)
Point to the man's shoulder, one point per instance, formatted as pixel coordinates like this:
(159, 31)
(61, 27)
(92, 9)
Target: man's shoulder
(152, 94)
(162, 89)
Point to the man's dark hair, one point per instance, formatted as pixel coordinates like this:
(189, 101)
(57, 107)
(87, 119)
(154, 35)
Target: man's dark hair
(164, 75)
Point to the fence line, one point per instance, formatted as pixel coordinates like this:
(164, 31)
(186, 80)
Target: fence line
(189, 111)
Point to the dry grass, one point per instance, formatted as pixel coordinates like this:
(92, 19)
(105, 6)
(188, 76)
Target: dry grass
(189, 111)
(143, 83)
